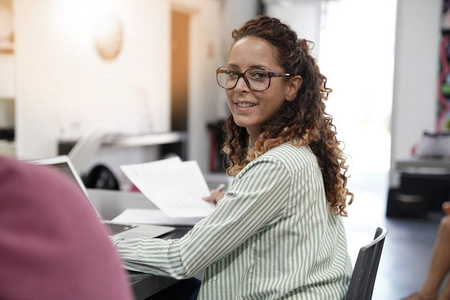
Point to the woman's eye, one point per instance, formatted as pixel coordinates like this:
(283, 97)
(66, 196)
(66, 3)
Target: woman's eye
(232, 74)
(258, 75)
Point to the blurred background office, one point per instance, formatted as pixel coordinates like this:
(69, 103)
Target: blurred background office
(144, 67)
(144, 73)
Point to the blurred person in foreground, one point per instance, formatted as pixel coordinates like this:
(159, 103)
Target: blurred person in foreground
(52, 245)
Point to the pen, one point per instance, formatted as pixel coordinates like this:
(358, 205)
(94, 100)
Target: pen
(220, 187)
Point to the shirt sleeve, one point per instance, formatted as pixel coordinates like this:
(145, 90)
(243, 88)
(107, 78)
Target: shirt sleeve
(256, 199)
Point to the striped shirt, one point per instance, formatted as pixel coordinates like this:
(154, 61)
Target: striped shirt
(272, 236)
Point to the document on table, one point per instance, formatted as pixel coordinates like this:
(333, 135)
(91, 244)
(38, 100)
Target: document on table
(153, 216)
(175, 187)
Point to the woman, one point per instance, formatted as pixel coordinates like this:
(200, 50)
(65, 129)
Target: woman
(277, 233)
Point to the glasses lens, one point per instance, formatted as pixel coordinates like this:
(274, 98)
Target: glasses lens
(226, 79)
(258, 80)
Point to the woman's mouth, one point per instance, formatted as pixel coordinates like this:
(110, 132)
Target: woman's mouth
(245, 104)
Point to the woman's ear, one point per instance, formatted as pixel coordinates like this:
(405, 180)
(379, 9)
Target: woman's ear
(293, 87)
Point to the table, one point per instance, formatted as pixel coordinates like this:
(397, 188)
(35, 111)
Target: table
(430, 177)
(110, 204)
(424, 166)
(424, 185)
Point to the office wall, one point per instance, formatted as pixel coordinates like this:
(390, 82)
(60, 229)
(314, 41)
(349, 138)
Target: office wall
(415, 76)
(6, 59)
(204, 52)
(304, 16)
(63, 87)
(234, 13)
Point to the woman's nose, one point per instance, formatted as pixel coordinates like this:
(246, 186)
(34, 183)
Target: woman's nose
(241, 85)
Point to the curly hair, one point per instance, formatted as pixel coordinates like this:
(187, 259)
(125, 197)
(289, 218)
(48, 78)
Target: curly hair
(301, 122)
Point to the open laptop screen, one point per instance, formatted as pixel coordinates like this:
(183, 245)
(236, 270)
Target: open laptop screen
(63, 165)
(64, 169)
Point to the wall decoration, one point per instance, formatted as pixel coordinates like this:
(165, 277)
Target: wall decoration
(108, 36)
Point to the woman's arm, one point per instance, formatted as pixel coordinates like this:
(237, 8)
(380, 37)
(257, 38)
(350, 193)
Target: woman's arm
(255, 199)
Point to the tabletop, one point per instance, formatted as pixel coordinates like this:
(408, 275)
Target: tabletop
(110, 204)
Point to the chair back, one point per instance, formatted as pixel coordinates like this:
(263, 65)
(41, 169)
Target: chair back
(366, 267)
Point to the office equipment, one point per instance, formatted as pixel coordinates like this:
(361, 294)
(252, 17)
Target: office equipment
(175, 187)
(117, 149)
(366, 267)
(63, 164)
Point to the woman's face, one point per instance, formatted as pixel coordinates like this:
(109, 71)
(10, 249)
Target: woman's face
(251, 109)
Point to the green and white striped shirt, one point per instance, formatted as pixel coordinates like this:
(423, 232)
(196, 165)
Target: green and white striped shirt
(272, 236)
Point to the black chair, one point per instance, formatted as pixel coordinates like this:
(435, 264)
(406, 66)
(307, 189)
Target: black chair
(366, 267)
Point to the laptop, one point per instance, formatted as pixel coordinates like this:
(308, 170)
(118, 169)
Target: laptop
(63, 164)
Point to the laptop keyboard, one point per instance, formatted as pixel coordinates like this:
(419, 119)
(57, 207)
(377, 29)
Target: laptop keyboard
(118, 228)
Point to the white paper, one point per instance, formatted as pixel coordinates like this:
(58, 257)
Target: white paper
(152, 216)
(175, 187)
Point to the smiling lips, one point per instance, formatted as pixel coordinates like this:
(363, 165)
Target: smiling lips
(245, 104)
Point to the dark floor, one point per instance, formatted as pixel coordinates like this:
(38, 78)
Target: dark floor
(409, 244)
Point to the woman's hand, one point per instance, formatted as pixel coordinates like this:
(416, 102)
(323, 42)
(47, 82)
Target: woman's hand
(215, 196)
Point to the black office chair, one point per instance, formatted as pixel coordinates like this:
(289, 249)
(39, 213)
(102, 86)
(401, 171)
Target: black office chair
(366, 267)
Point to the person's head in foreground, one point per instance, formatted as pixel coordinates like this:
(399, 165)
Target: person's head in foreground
(52, 245)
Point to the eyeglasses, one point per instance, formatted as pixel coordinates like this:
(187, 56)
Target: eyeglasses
(256, 80)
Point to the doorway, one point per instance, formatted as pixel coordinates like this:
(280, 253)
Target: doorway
(179, 70)
(357, 56)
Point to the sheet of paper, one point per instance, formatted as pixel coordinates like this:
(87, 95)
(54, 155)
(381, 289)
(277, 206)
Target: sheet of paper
(175, 187)
(153, 216)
